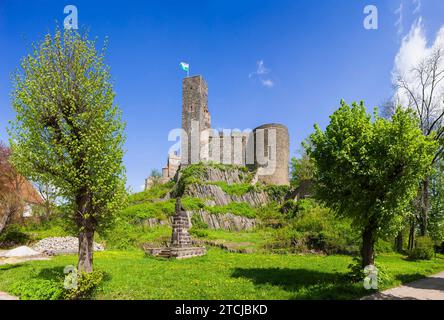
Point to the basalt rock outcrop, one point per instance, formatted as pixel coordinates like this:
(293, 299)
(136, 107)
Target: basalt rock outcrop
(218, 197)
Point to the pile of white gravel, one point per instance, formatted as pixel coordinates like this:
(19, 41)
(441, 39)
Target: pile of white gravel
(61, 245)
(19, 252)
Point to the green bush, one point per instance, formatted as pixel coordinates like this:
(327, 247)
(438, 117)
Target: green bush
(159, 209)
(277, 193)
(193, 204)
(236, 208)
(290, 208)
(271, 216)
(237, 189)
(199, 233)
(384, 246)
(313, 228)
(13, 236)
(306, 204)
(38, 289)
(197, 222)
(357, 274)
(287, 240)
(87, 283)
(423, 250)
(153, 193)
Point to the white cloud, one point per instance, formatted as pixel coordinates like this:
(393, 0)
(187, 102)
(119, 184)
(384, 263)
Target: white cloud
(417, 4)
(398, 24)
(413, 50)
(260, 69)
(260, 72)
(267, 83)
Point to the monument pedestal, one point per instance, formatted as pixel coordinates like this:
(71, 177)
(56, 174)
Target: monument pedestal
(181, 246)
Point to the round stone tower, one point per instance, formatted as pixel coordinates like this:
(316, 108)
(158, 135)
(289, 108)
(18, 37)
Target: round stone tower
(272, 153)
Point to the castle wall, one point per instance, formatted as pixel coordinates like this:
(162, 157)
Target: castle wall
(232, 147)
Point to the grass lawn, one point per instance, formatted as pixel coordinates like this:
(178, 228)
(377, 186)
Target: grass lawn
(223, 275)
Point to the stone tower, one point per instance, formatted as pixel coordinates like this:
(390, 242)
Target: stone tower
(272, 153)
(195, 117)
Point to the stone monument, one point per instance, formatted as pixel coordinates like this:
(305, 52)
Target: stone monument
(180, 246)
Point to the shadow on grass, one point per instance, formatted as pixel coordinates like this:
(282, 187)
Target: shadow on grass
(406, 278)
(304, 283)
(57, 274)
(6, 267)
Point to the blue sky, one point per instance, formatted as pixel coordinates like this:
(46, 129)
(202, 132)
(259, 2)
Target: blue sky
(314, 53)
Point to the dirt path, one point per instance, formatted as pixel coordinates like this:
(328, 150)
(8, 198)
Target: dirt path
(430, 288)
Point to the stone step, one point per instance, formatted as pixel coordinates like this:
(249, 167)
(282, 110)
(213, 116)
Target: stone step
(165, 253)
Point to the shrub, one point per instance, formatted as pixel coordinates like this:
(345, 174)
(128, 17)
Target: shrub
(37, 289)
(312, 228)
(87, 283)
(293, 209)
(155, 192)
(277, 193)
(193, 204)
(237, 189)
(384, 246)
(423, 250)
(199, 233)
(306, 204)
(197, 222)
(357, 274)
(290, 208)
(236, 208)
(287, 239)
(159, 209)
(13, 236)
(270, 216)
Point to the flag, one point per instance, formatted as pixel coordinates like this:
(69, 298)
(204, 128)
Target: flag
(185, 66)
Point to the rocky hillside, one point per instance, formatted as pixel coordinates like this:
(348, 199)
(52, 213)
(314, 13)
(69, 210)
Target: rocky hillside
(218, 196)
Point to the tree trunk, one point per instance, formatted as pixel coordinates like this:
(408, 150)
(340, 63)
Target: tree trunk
(86, 241)
(9, 211)
(368, 243)
(399, 241)
(86, 234)
(4, 219)
(411, 234)
(424, 207)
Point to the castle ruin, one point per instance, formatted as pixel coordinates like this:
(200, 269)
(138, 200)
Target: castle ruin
(265, 148)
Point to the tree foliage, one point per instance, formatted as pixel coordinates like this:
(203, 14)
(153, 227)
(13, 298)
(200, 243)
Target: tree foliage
(68, 131)
(369, 170)
(436, 222)
(301, 169)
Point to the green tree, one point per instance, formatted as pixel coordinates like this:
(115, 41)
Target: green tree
(436, 220)
(301, 169)
(156, 177)
(369, 170)
(420, 88)
(68, 132)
